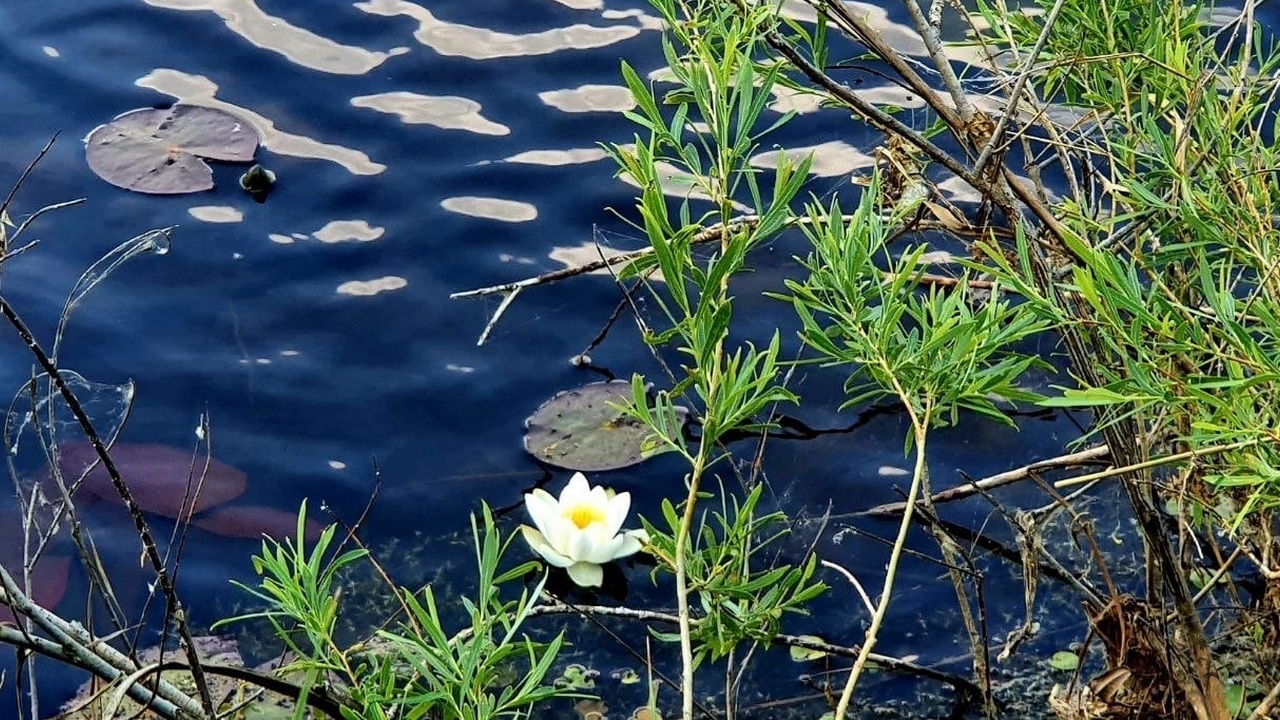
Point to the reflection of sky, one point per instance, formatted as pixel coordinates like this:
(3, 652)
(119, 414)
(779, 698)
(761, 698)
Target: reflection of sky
(216, 213)
(300, 46)
(449, 113)
(491, 208)
(589, 98)
(200, 90)
(478, 43)
(375, 286)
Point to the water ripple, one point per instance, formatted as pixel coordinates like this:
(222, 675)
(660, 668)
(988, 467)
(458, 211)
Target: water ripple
(478, 43)
(300, 46)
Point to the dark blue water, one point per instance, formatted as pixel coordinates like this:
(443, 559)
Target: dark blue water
(305, 386)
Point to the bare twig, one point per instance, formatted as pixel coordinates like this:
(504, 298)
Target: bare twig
(50, 649)
(933, 45)
(1016, 93)
(502, 308)
(1091, 455)
(22, 178)
(862, 593)
(98, 657)
(1154, 462)
(140, 523)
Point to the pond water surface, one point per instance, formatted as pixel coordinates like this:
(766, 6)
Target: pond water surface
(421, 149)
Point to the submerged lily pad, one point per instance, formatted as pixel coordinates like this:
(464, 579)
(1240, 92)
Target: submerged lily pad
(164, 480)
(161, 151)
(49, 577)
(582, 429)
(253, 521)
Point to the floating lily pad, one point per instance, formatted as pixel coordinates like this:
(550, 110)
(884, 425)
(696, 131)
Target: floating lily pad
(582, 429)
(161, 151)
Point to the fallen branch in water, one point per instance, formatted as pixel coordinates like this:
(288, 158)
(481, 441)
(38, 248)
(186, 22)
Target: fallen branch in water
(712, 233)
(509, 290)
(887, 662)
(72, 643)
(1089, 456)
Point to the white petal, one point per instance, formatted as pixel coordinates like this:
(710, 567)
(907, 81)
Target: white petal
(633, 540)
(542, 508)
(575, 490)
(586, 574)
(603, 552)
(560, 534)
(598, 497)
(540, 546)
(581, 545)
(619, 506)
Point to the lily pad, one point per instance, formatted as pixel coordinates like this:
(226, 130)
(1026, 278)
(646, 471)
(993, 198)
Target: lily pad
(161, 151)
(163, 479)
(49, 577)
(253, 521)
(582, 429)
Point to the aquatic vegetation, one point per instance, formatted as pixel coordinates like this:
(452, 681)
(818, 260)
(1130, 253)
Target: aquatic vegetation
(490, 667)
(258, 182)
(582, 529)
(587, 428)
(179, 484)
(1154, 267)
(164, 151)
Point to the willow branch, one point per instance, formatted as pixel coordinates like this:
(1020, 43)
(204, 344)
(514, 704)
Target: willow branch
(933, 45)
(1018, 86)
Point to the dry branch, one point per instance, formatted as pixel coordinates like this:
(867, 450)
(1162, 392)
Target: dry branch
(1091, 455)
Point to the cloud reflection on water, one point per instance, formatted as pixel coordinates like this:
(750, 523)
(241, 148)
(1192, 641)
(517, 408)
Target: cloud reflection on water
(367, 288)
(336, 231)
(300, 46)
(491, 208)
(571, 156)
(589, 98)
(449, 112)
(216, 214)
(479, 43)
(830, 159)
(200, 90)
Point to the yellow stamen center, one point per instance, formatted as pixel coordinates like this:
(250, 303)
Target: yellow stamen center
(584, 515)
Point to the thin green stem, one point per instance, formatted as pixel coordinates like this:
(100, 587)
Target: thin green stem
(682, 588)
(920, 427)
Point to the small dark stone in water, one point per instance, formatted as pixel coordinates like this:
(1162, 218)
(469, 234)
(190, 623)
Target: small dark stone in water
(258, 181)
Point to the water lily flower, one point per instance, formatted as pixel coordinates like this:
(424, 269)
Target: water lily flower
(582, 529)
